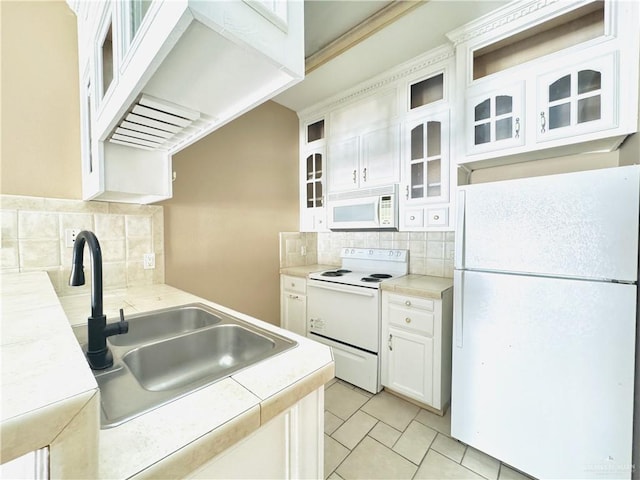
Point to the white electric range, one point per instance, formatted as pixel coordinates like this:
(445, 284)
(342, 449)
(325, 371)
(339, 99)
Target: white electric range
(344, 311)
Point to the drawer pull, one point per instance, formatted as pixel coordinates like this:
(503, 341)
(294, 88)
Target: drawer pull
(436, 217)
(408, 303)
(408, 320)
(294, 297)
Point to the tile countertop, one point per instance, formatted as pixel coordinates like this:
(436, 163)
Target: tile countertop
(424, 286)
(304, 270)
(176, 438)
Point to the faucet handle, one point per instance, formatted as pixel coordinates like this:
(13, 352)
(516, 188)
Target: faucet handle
(117, 328)
(123, 324)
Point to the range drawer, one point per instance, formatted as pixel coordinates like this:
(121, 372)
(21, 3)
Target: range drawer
(411, 313)
(294, 284)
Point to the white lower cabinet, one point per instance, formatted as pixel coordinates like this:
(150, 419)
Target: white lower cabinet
(293, 304)
(410, 349)
(288, 446)
(416, 347)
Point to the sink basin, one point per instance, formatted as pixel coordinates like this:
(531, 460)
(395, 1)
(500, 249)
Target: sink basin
(144, 327)
(181, 361)
(170, 353)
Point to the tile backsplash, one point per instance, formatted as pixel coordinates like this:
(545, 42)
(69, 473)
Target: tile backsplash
(430, 253)
(33, 238)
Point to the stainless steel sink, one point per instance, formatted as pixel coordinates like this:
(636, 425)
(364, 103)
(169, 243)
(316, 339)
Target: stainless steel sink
(172, 352)
(144, 327)
(184, 360)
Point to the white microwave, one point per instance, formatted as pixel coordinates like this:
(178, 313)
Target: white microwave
(371, 209)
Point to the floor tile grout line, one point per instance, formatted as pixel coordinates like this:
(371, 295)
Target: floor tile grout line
(402, 432)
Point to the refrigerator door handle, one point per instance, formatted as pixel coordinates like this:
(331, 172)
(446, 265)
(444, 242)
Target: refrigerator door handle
(459, 240)
(458, 280)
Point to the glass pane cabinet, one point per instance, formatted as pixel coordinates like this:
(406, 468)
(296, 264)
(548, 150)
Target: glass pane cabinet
(576, 99)
(138, 10)
(106, 58)
(314, 180)
(426, 92)
(312, 171)
(496, 119)
(427, 159)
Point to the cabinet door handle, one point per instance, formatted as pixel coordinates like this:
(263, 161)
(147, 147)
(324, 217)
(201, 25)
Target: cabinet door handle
(543, 123)
(407, 193)
(407, 303)
(294, 297)
(355, 172)
(389, 344)
(364, 174)
(407, 320)
(518, 127)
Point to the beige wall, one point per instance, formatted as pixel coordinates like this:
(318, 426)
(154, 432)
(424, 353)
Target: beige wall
(40, 152)
(234, 191)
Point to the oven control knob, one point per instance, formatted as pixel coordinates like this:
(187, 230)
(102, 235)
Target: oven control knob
(391, 253)
(353, 250)
(370, 252)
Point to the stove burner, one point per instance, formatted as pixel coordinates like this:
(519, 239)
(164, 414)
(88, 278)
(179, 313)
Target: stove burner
(371, 279)
(343, 270)
(337, 273)
(380, 275)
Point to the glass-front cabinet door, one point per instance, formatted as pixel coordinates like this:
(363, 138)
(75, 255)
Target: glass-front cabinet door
(313, 167)
(314, 190)
(133, 13)
(425, 195)
(495, 119)
(427, 159)
(577, 99)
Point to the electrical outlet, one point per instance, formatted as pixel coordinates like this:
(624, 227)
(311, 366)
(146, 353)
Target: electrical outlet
(149, 261)
(70, 236)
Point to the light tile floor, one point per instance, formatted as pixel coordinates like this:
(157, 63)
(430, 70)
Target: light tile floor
(382, 436)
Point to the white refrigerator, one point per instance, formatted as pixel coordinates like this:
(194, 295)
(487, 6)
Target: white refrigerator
(545, 309)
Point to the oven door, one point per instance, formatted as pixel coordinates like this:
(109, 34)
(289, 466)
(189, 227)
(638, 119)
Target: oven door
(344, 313)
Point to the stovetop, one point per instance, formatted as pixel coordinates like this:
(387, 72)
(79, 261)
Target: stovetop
(366, 267)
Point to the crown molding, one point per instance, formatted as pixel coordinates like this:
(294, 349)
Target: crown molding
(513, 15)
(362, 31)
(431, 58)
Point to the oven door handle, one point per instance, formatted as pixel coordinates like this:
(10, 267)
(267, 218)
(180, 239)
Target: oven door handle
(334, 289)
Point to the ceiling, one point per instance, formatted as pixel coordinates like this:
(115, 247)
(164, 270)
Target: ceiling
(413, 32)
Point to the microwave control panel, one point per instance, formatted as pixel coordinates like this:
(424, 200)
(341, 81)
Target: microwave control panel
(386, 210)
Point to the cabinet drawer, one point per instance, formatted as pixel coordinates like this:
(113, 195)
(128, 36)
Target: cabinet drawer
(412, 302)
(294, 284)
(414, 218)
(411, 318)
(437, 217)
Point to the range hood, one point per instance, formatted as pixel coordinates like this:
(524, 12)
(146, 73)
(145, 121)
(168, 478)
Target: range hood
(217, 60)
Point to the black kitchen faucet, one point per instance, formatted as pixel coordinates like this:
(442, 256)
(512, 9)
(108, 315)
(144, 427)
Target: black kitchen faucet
(98, 354)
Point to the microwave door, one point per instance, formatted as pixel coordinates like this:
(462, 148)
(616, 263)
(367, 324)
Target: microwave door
(355, 213)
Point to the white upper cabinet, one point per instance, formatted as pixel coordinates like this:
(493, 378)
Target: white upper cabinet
(313, 167)
(544, 79)
(495, 119)
(165, 73)
(393, 130)
(425, 191)
(577, 99)
(364, 143)
(367, 160)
